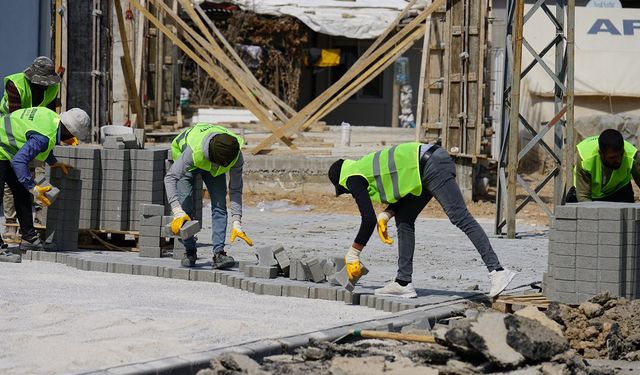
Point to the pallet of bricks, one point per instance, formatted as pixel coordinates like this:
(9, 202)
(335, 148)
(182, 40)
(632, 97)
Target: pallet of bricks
(114, 183)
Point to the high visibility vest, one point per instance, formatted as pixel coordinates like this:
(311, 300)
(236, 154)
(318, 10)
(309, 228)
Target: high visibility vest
(590, 161)
(22, 84)
(193, 138)
(392, 173)
(13, 132)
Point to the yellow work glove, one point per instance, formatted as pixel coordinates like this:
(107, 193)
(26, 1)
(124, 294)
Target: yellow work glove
(352, 263)
(236, 231)
(71, 141)
(383, 219)
(38, 193)
(179, 218)
(62, 166)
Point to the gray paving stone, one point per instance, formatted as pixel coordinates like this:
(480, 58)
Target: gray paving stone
(151, 221)
(559, 248)
(584, 250)
(268, 289)
(611, 239)
(28, 255)
(261, 272)
(386, 305)
(237, 282)
(589, 263)
(589, 287)
(562, 236)
(611, 213)
(612, 264)
(176, 273)
(146, 241)
(588, 238)
(98, 266)
(150, 252)
(242, 264)
(313, 270)
(244, 284)
(379, 303)
(611, 226)
(145, 270)
(72, 261)
(60, 258)
(566, 212)
(587, 212)
(585, 225)
(123, 268)
(325, 293)
(189, 229)
(564, 285)
(563, 273)
(298, 291)
(45, 256)
(564, 261)
(607, 276)
(265, 256)
(564, 225)
(611, 251)
(283, 258)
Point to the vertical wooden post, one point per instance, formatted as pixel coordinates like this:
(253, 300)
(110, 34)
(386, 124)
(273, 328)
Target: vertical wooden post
(570, 144)
(395, 104)
(514, 119)
(424, 72)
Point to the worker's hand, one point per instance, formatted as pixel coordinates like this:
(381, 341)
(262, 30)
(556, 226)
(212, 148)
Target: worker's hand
(383, 219)
(352, 263)
(62, 166)
(179, 218)
(38, 193)
(236, 231)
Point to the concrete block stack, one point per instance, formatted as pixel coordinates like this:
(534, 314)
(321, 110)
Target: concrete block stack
(149, 241)
(63, 215)
(147, 181)
(116, 189)
(593, 247)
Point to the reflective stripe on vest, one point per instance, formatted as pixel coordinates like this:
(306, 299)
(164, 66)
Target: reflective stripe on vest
(590, 161)
(13, 135)
(391, 173)
(21, 83)
(193, 138)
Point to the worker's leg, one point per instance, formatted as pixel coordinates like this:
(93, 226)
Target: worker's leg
(440, 178)
(408, 209)
(9, 213)
(217, 188)
(22, 201)
(184, 188)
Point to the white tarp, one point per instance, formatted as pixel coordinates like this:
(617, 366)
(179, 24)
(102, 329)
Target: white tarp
(607, 52)
(357, 19)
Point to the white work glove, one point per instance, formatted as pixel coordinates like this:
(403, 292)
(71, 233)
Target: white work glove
(236, 231)
(179, 218)
(383, 219)
(352, 263)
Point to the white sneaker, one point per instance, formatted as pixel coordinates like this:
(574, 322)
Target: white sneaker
(499, 281)
(394, 289)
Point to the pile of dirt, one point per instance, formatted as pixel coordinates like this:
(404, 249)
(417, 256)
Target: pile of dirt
(489, 342)
(604, 327)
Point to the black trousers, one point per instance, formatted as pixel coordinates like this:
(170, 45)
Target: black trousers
(622, 195)
(21, 197)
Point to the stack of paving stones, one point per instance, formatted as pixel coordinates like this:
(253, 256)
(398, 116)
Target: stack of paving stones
(593, 247)
(147, 181)
(149, 241)
(116, 189)
(63, 215)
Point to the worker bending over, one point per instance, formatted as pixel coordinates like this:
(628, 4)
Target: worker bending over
(27, 135)
(406, 177)
(211, 151)
(37, 86)
(603, 173)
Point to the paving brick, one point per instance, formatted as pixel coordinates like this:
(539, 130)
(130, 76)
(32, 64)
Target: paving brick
(282, 257)
(124, 268)
(564, 273)
(565, 297)
(562, 236)
(586, 250)
(587, 212)
(72, 261)
(613, 264)
(151, 252)
(341, 278)
(313, 270)
(589, 263)
(564, 225)
(611, 239)
(144, 241)
(149, 231)
(298, 291)
(326, 293)
(152, 209)
(386, 305)
(268, 289)
(564, 261)
(608, 276)
(242, 264)
(588, 238)
(98, 266)
(266, 257)
(611, 226)
(261, 272)
(189, 229)
(379, 305)
(564, 285)
(144, 269)
(611, 251)
(559, 248)
(590, 275)
(45, 256)
(244, 284)
(611, 213)
(585, 225)
(614, 288)
(590, 287)
(176, 273)
(230, 280)
(237, 282)
(566, 212)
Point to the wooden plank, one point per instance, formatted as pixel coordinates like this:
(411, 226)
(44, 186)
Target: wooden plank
(395, 104)
(134, 99)
(424, 69)
(58, 39)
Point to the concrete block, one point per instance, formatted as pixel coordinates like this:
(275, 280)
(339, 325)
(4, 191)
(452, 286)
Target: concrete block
(144, 241)
(612, 251)
(588, 275)
(611, 226)
(588, 263)
(587, 212)
(615, 288)
(189, 229)
(608, 276)
(612, 213)
(564, 285)
(566, 297)
(325, 293)
(72, 261)
(313, 270)
(328, 267)
(237, 282)
(145, 270)
(564, 261)
(566, 212)
(60, 258)
(154, 154)
(52, 194)
(46, 256)
(298, 291)
(242, 264)
(564, 273)
(268, 289)
(293, 267)
(560, 248)
(584, 250)
(152, 209)
(261, 272)
(244, 284)
(266, 257)
(611, 239)
(151, 252)
(98, 266)
(588, 238)
(564, 225)
(251, 286)
(176, 273)
(587, 287)
(123, 268)
(585, 225)
(282, 257)
(379, 305)
(611, 264)
(149, 231)
(562, 236)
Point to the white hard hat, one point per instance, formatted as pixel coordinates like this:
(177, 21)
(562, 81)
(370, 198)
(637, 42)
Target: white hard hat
(77, 122)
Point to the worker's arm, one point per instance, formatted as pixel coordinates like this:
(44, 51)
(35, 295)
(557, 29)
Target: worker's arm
(14, 97)
(583, 185)
(36, 144)
(635, 169)
(357, 185)
(179, 168)
(235, 189)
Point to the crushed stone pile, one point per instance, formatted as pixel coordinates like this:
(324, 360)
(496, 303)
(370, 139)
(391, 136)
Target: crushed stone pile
(527, 342)
(603, 327)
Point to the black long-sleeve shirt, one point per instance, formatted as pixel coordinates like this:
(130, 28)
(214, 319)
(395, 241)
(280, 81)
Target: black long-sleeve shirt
(358, 185)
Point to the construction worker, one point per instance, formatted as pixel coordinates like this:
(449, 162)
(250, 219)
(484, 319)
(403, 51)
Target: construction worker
(211, 151)
(30, 134)
(607, 164)
(37, 86)
(406, 177)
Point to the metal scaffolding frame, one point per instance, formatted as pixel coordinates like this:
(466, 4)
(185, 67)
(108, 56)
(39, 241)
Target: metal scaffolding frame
(562, 122)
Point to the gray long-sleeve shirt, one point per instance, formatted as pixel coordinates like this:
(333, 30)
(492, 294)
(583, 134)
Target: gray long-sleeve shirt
(185, 163)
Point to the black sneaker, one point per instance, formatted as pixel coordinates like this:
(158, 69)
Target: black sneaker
(189, 259)
(32, 243)
(221, 261)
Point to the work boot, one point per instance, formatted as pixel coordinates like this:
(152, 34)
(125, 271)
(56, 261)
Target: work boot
(221, 261)
(189, 259)
(499, 281)
(393, 289)
(31, 243)
(6, 256)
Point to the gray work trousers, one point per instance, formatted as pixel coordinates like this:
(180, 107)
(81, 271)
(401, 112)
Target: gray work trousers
(438, 180)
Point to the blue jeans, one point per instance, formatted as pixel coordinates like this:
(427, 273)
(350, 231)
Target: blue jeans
(217, 188)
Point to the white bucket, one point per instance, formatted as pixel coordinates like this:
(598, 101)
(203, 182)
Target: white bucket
(346, 133)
